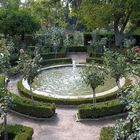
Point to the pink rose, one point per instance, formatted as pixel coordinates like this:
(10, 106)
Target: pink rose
(21, 51)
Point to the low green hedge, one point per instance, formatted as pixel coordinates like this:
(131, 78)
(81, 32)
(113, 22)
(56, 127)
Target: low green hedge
(24, 105)
(77, 49)
(39, 110)
(17, 132)
(102, 109)
(56, 61)
(50, 55)
(23, 91)
(96, 59)
(106, 133)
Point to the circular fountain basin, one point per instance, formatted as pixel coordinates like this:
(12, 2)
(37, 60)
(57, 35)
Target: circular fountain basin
(64, 81)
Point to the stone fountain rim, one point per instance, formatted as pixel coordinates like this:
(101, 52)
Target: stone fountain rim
(26, 85)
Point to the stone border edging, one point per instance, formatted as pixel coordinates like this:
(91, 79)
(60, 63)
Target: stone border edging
(102, 118)
(33, 118)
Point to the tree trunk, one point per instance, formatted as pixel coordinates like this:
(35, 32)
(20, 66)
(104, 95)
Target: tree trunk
(94, 97)
(32, 98)
(118, 82)
(5, 127)
(118, 39)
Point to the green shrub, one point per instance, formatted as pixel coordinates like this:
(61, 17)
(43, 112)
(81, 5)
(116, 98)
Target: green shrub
(14, 59)
(56, 61)
(96, 59)
(50, 55)
(106, 133)
(17, 132)
(90, 51)
(77, 49)
(23, 91)
(39, 110)
(102, 109)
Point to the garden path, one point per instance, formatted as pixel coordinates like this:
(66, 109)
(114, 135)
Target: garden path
(62, 127)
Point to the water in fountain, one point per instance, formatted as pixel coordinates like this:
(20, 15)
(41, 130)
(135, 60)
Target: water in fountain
(64, 81)
(73, 64)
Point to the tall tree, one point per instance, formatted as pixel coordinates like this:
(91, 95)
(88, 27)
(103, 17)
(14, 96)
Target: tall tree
(19, 23)
(121, 15)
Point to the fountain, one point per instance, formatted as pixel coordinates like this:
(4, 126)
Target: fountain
(74, 64)
(62, 81)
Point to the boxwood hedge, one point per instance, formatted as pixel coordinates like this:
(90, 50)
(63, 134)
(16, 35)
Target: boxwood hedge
(53, 61)
(102, 109)
(17, 132)
(24, 105)
(77, 49)
(60, 101)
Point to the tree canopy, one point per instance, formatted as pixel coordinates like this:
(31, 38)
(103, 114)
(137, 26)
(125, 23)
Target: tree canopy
(120, 15)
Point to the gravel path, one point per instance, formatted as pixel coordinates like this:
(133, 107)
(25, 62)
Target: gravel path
(63, 127)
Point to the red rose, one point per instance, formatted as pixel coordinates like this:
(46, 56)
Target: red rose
(137, 50)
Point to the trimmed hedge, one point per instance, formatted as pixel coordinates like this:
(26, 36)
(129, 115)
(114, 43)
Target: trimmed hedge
(77, 49)
(103, 109)
(106, 133)
(50, 55)
(17, 132)
(96, 59)
(24, 105)
(60, 101)
(56, 61)
(39, 110)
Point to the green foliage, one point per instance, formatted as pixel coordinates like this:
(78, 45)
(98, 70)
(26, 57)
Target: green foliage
(77, 49)
(117, 65)
(129, 128)
(50, 55)
(121, 16)
(102, 109)
(39, 110)
(29, 66)
(93, 75)
(95, 59)
(56, 61)
(50, 13)
(98, 43)
(21, 22)
(106, 133)
(18, 132)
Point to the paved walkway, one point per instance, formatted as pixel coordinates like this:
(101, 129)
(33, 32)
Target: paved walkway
(63, 127)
